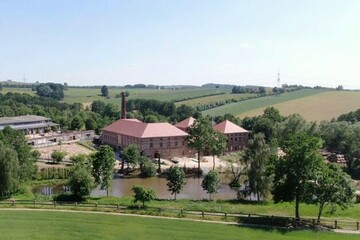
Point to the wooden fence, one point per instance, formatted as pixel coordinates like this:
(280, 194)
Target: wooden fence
(241, 218)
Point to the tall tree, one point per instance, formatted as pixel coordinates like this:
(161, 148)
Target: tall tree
(211, 183)
(257, 159)
(176, 180)
(296, 169)
(199, 136)
(103, 167)
(331, 187)
(80, 179)
(131, 154)
(216, 144)
(104, 91)
(76, 123)
(9, 171)
(235, 167)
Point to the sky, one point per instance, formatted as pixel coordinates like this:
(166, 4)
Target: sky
(183, 42)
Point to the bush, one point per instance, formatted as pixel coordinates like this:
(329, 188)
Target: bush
(148, 169)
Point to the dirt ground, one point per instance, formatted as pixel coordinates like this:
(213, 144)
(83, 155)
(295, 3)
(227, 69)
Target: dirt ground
(71, 150)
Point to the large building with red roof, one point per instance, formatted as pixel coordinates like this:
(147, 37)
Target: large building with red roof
(151, 138)
(237, 137)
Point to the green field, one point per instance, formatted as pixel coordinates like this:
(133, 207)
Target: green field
(213, 99)
(22, 224)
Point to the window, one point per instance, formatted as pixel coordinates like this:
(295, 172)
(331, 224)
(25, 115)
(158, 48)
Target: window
(168, 144)
(161, 144)
(176, 143)
(151, 145)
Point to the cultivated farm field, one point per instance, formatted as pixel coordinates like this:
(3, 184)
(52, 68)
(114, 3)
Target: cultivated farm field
(57, 225)
(262, 102)
(323, 106)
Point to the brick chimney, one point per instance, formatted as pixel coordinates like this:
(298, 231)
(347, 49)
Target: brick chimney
(123, 106)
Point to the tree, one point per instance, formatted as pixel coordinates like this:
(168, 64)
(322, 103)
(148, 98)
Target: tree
(80, 180)
(9, 171)
(103, 167)
(296, 169)
(235, 167)
(198, 137)
(131, 155)
(142, 194)
(104, 91)
(147, 168)
(257, 159)
(211, 182)
(57, 156)
(331, 187)
(90, 123)
(217, 144)
(1, 86)
(76, 123)
(176, 180)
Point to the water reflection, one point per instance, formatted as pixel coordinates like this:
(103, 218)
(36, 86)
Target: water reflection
(121, 187)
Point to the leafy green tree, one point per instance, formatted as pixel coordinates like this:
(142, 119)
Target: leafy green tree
(103, 167)
(216, 144)
(131, 155)
(198, 138)
(9, 171)
(273, 114)
(142, 194)
(16, 140)
(331, 187)
(90, 124)
(211, 183)
(296, 169)
(80, 180)
(257, 157)
(104, 91)
(176, 180)
(76, 123)
(57, 156)
(147, 168)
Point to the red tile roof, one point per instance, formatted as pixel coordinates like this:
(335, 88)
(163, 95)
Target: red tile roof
(229, 127)
(186, 123)
(136, 128)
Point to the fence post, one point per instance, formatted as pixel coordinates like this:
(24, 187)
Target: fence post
(272, 218)
(225, 215)
(249, 215)
(34, 202)
(202, 213)
(357, 225)
(181, 212)
(75, 205)
(336, 224)
(54, 203)
(117, 207)
(313, 222)
(96, 205)
(159, 210)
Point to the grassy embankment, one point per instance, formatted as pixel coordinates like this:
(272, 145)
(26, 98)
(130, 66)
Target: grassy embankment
(54, 225)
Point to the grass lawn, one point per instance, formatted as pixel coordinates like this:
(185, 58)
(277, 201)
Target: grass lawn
(262, 102)
(54, 225)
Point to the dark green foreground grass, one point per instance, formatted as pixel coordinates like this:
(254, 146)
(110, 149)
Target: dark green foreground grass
(21, 224)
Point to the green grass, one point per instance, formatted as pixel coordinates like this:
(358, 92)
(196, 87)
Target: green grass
(17, 90)
(54, 225)
(245, 106)
(214, 99)
(263, 208)
(88, 95)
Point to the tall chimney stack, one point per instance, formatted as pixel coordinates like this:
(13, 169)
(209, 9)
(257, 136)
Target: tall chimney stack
(123, 106)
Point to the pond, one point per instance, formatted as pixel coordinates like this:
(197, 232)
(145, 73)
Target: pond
(121, 187)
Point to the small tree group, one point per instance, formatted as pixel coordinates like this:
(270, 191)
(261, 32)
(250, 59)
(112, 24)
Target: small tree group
(176, 180)
(142, 194)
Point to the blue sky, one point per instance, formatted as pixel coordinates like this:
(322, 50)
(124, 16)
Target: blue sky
(181, 42)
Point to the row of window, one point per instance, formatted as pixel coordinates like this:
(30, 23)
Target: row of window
(168, 144)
